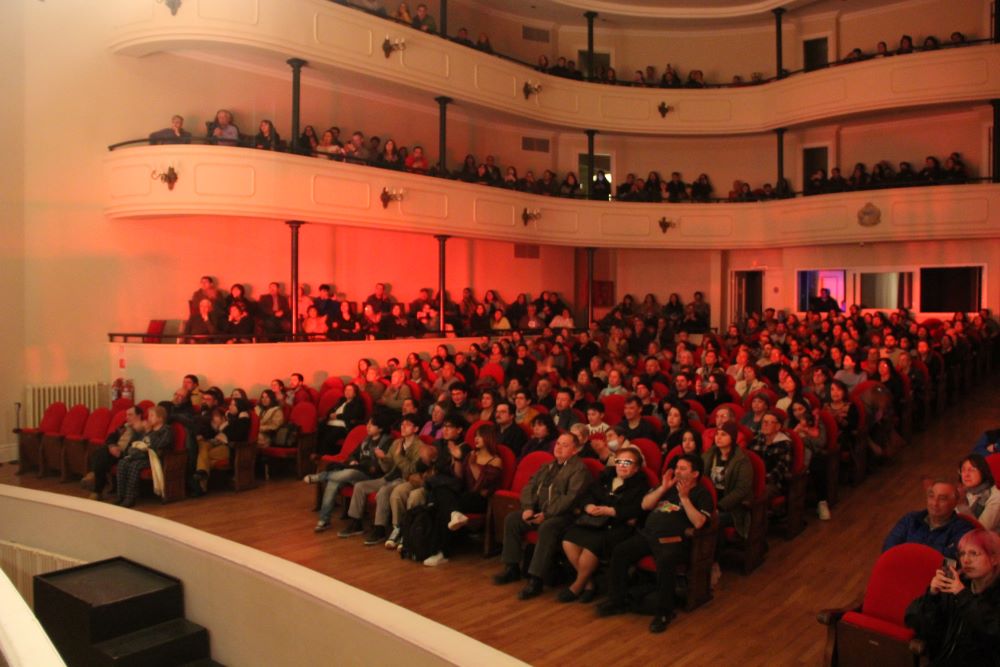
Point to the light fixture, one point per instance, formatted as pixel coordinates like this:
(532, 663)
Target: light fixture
(666, 224)
(664, 109)
(169, 177)
(527, 216)
(172, 5)
(531, 89)
(390, 45)
(390, 195)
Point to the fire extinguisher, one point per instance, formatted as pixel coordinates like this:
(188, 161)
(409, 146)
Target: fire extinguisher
(128, 390)
(116, 389)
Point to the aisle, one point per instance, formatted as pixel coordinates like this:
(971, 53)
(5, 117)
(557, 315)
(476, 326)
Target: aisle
(767, 618)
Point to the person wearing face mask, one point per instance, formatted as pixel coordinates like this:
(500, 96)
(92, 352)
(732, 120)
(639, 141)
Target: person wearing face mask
(959, 615)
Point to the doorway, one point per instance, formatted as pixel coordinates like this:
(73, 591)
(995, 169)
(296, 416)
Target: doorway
(814, 54)
(601, 163)
(814, 159)
(600, 60)
(748, 293)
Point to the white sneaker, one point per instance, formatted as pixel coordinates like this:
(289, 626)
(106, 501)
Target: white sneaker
(435, 560)
(823, 510)
(310, 479)
(457, 521)
(393, 538)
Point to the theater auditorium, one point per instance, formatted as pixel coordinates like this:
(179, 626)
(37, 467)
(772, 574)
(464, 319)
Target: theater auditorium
(482, 333)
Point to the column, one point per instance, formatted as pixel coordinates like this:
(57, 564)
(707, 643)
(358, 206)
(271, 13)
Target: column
(777, 40)
(442, 239)
(590, 16)
(443, 103)
(996, 141)
(590, 286)
(293, 287)
(780, 134)
(443, 19)
(590, 163)
(296, 64)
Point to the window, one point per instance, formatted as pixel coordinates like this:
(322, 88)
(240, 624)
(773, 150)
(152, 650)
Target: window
(889, 290)
(951, 289)
(811, 282)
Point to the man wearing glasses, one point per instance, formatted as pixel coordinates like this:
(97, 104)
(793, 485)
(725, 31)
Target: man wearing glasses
(680, 502)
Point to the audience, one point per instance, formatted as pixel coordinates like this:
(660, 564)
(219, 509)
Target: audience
(938, 526)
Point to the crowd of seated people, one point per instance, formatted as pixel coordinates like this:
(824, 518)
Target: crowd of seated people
(235, 318)
(882, 175)
(904, 47)
(632, 393)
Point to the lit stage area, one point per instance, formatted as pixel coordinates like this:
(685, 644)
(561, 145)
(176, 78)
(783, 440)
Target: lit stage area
(254, 571)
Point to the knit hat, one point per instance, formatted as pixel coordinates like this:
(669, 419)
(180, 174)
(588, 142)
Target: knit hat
(732, 429)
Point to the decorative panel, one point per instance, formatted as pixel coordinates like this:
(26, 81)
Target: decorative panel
(131, 180)
(708, 226)
(494, 213)
(613, 225)
(558, 98)
(341, 192)
(933, 76)
(426, 60)
(930, 213)
(424, 203)
(224, 180)
(231, 11)
(491, 80)
(343, 35)
(556, 221)
(625, 108)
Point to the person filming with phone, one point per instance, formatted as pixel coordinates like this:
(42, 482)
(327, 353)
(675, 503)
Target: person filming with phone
(959, 615)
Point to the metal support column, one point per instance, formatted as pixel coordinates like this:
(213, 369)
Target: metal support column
(297, 64)
(777, 41)
(293, 288)
(590, 285)
(590, 163)
(780, 133)
(443, 103)
(590, 16)
(442, 239)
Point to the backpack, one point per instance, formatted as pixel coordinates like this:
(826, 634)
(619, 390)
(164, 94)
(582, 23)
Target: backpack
(417, 531)
(287, 435)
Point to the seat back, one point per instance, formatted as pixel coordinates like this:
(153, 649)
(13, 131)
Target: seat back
(993, 460)
(254, 426)
(509, 459)
(614, 408)
(470, 433)
(594, 466)
(650, 451)
(304, 416)
(491, 369)
(832, 431)
(707, 483)
(899, 577)
(145, 406)
(332, 383)
(53, 418)
(652, 477)
(655, 423)
(75, 421)
(765, 392)
(735, 408)
(416, 392)
(759, 475)
(180, 437)
(121, 404)
(528, 466)
(116, 422)
(369, 403)
(353, 439)
(97, 425)
(798, 452)
(671, 455)
(327, 401)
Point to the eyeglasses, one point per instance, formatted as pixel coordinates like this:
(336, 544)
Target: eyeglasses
(628, 463)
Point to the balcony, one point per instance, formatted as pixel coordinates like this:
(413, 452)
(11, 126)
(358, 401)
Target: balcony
(246, 183)
(335, 39)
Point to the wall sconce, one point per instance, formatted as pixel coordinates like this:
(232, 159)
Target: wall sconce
(390, 195)
(169, 177)
(527, 216)
(666, 224)
(390, 45)
(664, 109)
(531, 89)
(172, 5)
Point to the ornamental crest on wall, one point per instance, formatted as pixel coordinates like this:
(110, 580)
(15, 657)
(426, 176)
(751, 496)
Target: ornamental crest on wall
(869, 215)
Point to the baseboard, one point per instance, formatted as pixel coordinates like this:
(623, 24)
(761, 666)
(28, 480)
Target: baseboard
(8, 452)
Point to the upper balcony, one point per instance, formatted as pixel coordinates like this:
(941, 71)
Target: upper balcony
(336, 39)
(247, 183)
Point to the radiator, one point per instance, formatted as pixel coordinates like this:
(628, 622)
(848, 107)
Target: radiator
(38, 397)
(21, 563)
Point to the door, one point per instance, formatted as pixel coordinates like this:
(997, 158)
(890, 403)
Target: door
(748, 293)
(814, 159)
(814, 54)
(600, 60)
(601, 163)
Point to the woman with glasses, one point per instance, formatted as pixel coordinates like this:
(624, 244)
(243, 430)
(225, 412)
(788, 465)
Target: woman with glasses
(610, 513)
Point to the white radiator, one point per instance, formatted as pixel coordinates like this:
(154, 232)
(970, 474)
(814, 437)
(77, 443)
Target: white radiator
(21, 563)
(38, 397)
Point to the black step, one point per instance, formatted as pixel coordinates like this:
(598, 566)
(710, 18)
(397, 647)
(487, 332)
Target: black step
(203, 662)
(168, 644)
(83, 605)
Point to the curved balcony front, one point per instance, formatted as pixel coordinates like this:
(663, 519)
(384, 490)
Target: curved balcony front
(247, 183)
(334, 38)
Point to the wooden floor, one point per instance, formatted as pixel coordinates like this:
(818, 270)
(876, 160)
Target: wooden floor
(767, 618)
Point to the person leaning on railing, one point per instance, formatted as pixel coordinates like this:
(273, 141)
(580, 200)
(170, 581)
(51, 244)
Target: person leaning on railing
(175, 134)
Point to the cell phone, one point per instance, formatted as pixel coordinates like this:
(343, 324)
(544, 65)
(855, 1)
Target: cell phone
(949, 566)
